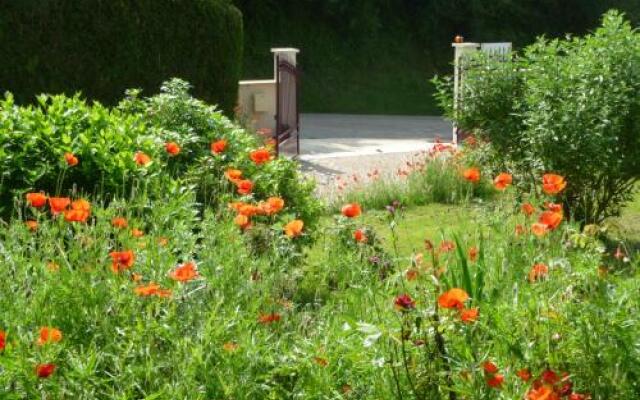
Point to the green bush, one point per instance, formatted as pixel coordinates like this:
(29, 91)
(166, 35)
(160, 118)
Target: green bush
(566, 106)
(103, 47)
(34, 141)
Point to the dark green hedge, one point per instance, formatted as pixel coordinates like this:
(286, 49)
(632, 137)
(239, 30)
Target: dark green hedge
(102, 47)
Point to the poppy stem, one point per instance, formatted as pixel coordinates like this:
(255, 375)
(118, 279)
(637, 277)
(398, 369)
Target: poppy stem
(443, 355)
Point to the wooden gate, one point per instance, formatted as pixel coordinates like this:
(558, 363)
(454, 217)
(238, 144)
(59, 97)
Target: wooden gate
(287, 133)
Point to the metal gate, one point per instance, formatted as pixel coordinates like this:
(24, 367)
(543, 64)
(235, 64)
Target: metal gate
(287, 134)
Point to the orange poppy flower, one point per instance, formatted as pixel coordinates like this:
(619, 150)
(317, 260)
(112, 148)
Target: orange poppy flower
(245, 186)
(45, 370)
(163, 241)
(58, 204)
(524, 374)
(495, 381)
(543, 392)
(152, 289)
(359, 236)
(81, 204)
(557, 208)
(122, 260)
(260, 156)
(473, 253)
(472, 175)
(242, 221)
(36, 200)
(184, 273)
(141, 159)
(273, 205)
(172, 148)
(539, 229)
(502, 181)
(137, 232)
(453, 298)
(49, 335)
(538, 271)
(553, 184)
(248, 209)
(31, 225)
(404, 302)
(469, 315)
(294, 228)
(119, 222)
(528, 209)
(412, 274)
(321, 361)
(3, 340)
(447, 246)
(230, 347)
(219, 146)
(233, 174)
(76, 215)
(266, 319)
(352, 210)
(71, 160)
(551, 219)
(136, 277)
(520, 230)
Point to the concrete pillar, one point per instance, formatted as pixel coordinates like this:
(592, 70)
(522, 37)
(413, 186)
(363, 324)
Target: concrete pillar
(288, 54)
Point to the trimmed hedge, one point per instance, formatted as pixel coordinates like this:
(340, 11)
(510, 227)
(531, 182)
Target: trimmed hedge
(104, 47)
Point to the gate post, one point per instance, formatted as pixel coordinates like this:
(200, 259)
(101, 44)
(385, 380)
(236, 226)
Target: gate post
(288, 54)
(460, 51)
(287, 112)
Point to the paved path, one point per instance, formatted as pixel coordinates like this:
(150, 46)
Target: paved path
(336, 146)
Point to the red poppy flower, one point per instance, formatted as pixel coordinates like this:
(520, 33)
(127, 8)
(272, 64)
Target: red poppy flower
(453, 298)
(45, 370)
(137, 232)
(260, 156)
(122, 260)
(294, 228)
(3, 340)
(495, 381)
(557, 208)
(469, 315)
(219, 146)
(489, 367)
(551, 219)
(49, 335)
(31, 225)
(172, 148)
(119, 222)
(553, 184)
(359, 236)
(502, 181)
(538, 271)
(244, 186)
(549, 376)
(543, 392)
(472, 175)
(266, 319)
(404, 302)
(76, 215)
(185, 272)
(352, 210)
(473, 253)
(58, 204)
(528, 209)
(524, 374)
(36, 200)
(71, 160)
(141, 159)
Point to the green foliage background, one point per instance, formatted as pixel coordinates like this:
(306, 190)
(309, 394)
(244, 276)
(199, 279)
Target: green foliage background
(104, 47)
(376, 56)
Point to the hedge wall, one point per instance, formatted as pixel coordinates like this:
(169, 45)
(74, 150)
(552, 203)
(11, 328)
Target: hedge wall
(102, 47)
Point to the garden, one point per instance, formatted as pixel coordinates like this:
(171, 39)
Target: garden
(157, 249)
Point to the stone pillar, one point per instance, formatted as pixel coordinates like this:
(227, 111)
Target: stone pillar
(288, 54)
(460, 51)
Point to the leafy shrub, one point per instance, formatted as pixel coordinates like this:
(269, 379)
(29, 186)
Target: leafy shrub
(34, 140)
(103, 47)
(566, 106)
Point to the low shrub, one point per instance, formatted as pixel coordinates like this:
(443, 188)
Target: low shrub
(570, 107)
